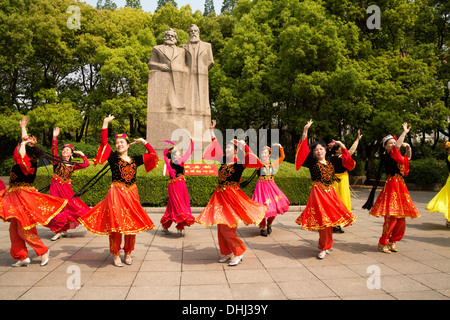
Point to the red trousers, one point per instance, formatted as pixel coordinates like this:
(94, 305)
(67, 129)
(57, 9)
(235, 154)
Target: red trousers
(228, 241)
(20, 237)
(115, 241)
(393, 230)
(326, 238)
(266, 222)
(180, 226)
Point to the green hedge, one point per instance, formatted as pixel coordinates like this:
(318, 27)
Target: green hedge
(427, 171)
(153, 186)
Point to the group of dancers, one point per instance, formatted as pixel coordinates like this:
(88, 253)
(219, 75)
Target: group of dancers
(120, 213)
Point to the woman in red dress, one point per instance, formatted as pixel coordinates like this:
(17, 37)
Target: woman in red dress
(178, 208)
(229, 205)
(324, 209)
(394, 202)
(121, 212)
(61, 187)
(23, 206)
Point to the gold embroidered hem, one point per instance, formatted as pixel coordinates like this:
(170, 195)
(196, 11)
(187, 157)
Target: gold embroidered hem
(324, 209)
(394, 200)
(120, 212)
(229, 205)
(28, 206)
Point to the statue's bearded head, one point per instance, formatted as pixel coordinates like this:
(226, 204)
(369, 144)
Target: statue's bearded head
(170, 37)
(194, 33)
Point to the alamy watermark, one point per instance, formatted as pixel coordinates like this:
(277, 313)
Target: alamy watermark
(74, 280)
(374, 21)
(374, 280)
(255, 139)
(74, 21)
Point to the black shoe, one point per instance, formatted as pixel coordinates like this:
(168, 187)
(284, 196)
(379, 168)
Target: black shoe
(264, 232)
(269, 229)
(338, 229)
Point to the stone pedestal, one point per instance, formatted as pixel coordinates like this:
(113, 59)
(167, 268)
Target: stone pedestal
(169, 126)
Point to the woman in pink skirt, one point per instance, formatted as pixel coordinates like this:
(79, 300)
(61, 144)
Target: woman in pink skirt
(267, 192)
(178, 208)
(61, 187)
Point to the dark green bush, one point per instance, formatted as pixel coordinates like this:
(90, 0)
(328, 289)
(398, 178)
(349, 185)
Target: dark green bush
(427, 171)
(153, 186)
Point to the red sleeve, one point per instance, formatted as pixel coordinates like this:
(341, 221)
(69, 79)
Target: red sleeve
(2, 185)
(55, 150)
(23, 162)
(302, 153)
(402, 160)
(83, 165)
(213, 151)
(150, 158)
(347, 160)
(104, 150)
(251, 160)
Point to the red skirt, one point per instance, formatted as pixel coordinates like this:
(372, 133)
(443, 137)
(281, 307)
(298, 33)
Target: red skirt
(68, 218)
(324, 209)
(178, 207)
(394, 200)
(29, 206)
(230, 205)
(119, 212)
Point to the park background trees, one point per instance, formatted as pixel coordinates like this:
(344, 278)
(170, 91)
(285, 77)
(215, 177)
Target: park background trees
(278, 63)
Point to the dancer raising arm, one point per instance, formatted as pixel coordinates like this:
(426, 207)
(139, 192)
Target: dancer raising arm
(61, 187)
(121, 212)
(229, 205)
(341, 169)
(324, 209)
(394, 202)
(23, 206)
(267, 192)
(178, 208)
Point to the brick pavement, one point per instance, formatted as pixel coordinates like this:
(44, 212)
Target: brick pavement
(282, 266)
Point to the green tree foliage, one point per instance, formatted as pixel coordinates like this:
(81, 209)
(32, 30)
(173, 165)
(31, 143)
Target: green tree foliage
(228, 5)
(209, 7)
(162, 3)
(106, 5)
(135, 4)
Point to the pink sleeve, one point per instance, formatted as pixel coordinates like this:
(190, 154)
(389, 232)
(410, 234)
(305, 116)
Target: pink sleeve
(188, 153)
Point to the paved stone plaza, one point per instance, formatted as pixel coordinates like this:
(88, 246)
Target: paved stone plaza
(282, 266)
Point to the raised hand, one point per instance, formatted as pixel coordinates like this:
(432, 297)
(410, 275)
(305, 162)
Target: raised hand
(56, 132)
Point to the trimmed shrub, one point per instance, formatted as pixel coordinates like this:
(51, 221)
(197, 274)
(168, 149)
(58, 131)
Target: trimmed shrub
(427, 171)
(153, 186)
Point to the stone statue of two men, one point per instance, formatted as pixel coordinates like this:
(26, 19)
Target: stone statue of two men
(178, 90)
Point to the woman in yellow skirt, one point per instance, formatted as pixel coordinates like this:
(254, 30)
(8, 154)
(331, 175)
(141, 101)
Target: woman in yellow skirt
(440, 201)
(341, 167)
